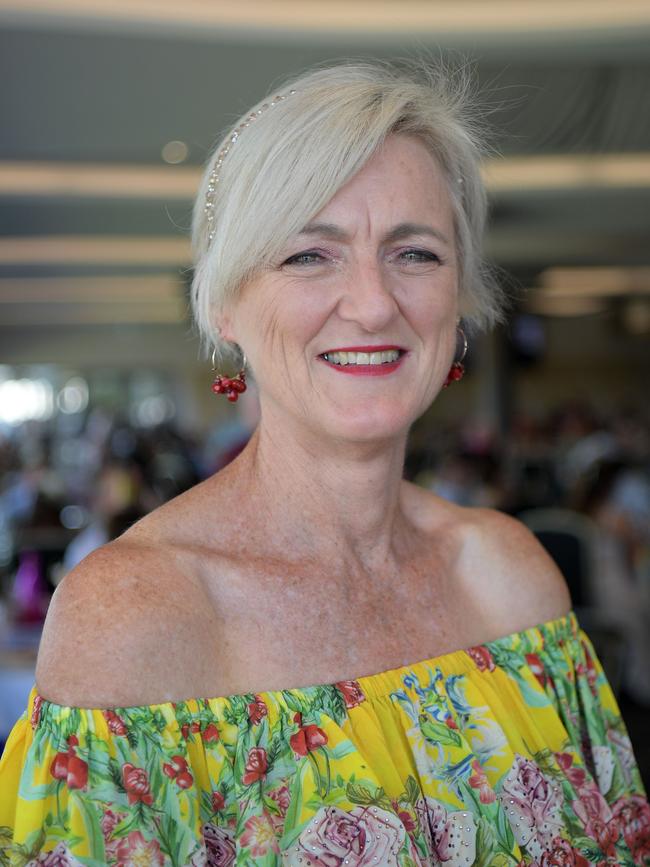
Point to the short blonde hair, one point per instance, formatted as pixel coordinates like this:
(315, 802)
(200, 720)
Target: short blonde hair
(287, 165)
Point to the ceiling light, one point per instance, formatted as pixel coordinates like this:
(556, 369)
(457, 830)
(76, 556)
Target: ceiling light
(175, 152)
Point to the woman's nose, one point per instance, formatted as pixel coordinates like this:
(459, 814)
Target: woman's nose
(368, 299)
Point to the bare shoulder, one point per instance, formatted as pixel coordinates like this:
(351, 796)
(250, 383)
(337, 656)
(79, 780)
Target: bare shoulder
(122, 629)
(503, 570)
(513, 576)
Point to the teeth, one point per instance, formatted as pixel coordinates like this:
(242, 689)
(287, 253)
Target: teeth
(343, 358)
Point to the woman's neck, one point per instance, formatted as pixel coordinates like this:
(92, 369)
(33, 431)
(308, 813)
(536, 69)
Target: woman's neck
(335, 502)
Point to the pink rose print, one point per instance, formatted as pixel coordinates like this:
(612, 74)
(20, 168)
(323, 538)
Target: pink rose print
(219, 845)
(256, 710)
(479, 781)
(116, 724)
(533, 806)
(563, 855)
(281, 797)
(364, 836)
(537, 667)
(482, 657)
(406, 818)
(451, 837)
(633, 815)
(58, 857)
(69, 767)
(218, 801)
(177, 770)
(307, 739)
(576, 776)
(352, 692)
(597, 818)
(259, 835)
(108, 823)
(136, 784)
(135, 851)
(256, 766)
(210, 734)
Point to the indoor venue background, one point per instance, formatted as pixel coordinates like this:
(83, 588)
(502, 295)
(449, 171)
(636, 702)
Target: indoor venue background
(108, 109)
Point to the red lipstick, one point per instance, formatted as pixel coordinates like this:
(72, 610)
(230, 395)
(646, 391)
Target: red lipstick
(365, 369)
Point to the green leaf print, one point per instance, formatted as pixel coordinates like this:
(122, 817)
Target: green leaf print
(485, 841)
(359, 794)
(506, 838)
(36, 793)
(58, 833)
(589, 848)
(116, 775)
(571, 821)
(530, 695)
(545, 761)
(509, 660)
(334, 704)
(91, 822)
(167, 836)
(34, 843)
(293, 703)
(618, 787)
(341, 750)
(438, 732)
(471, 797)
(131, 823)
(295, 798)
(6, 836)
(413, 793)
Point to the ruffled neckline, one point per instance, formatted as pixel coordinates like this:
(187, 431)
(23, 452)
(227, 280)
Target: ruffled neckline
(532, 640)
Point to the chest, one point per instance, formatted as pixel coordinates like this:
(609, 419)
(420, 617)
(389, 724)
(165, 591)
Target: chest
(296, 630)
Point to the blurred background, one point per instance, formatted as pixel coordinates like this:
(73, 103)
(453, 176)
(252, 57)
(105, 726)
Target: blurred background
(108, 109)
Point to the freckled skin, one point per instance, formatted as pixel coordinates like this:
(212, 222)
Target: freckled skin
(308, 559)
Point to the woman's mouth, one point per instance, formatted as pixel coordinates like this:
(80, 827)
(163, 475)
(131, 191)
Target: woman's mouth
(364, 360)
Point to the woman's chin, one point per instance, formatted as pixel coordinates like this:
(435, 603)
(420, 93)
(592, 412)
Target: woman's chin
(369, 423)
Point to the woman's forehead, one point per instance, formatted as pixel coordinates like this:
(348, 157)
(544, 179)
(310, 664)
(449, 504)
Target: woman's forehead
(402, 186)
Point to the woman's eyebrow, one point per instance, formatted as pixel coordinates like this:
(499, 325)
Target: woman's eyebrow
(397, 233)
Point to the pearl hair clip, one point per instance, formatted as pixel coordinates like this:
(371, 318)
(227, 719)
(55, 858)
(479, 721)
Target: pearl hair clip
(213, 178)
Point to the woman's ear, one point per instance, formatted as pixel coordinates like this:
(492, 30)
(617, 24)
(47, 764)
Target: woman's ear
(223, 322)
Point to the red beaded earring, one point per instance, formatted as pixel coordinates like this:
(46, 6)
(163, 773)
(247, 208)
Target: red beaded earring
(232, 388)
(457, 369)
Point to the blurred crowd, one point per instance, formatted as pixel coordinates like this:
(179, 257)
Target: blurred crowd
(578, 478)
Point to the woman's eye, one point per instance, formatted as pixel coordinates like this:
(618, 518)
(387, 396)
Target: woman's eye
(308, 258)
(418, 256)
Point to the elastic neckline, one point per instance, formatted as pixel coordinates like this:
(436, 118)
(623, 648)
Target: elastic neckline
(373, 686)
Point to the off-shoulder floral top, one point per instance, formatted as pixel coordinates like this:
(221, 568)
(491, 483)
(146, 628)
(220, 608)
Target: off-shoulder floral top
(510, 753)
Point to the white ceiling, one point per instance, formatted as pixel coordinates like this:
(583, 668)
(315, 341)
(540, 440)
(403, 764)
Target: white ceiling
(94, 89)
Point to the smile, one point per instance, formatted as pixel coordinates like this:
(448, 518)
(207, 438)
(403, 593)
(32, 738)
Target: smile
(364, 360)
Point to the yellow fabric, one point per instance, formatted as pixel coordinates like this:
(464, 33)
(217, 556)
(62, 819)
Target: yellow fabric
(508, 753)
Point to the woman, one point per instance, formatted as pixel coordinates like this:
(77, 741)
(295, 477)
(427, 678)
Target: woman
(322, 598)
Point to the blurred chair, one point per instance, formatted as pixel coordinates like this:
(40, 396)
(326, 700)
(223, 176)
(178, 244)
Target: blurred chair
(570, 539)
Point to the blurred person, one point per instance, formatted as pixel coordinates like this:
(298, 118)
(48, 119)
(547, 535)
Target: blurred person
(616, 496)
(226, 441)
(117, 489)
(267, 669)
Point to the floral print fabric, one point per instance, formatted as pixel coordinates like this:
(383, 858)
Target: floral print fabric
(509, 753)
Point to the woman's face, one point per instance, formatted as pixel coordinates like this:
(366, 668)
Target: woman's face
(352, 332)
